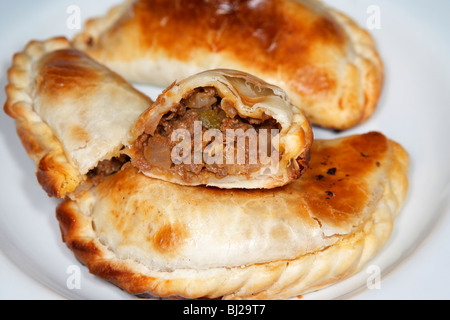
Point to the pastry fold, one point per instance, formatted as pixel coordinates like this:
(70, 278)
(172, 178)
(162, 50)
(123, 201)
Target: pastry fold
(151, 237)
(222, 128)
(72, 114)
(327, 64)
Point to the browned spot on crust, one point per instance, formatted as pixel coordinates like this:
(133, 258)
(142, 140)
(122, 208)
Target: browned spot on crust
(333, 185)
(310, 80)
(275, 35)
(64, 70)
(328, 30)
(79, 133)
(168, 238)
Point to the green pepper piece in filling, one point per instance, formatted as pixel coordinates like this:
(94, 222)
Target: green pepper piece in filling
(210, 119)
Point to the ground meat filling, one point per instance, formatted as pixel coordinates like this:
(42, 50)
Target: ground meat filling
(106, 168)
(204, 117)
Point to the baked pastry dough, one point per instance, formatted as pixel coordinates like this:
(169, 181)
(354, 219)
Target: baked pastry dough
(153, 237)
(73, 115)
(326, 63)
(222, 128)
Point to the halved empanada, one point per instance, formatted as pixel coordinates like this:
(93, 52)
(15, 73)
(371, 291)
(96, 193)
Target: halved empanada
(73, 115)
(327, 64)
(222, 128)
(153, 237)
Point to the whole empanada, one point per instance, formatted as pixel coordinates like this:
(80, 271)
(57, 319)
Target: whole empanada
(153, 237)
(73, 115)
(222, 128)
(325, 62)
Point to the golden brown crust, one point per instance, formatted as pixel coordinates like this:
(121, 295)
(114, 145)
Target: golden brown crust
(327, 64)
(348, 199)
(55, 173)
(66, 107)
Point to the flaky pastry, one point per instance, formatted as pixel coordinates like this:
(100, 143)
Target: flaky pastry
(327, 64)
(151, 237)
(72, 114)
(222, 128)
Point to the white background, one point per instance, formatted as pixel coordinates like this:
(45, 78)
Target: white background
(414, 41)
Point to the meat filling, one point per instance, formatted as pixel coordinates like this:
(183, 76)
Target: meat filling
(106, 168)
(195, 137)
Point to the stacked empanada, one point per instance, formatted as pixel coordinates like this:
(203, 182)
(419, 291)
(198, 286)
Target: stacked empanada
(216, 189)
(157, 238)
(326, 64)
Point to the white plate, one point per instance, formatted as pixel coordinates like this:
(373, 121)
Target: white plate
(414, 110)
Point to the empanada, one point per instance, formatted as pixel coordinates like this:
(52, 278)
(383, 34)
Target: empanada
(325, 62)
(222, 128)
(73, 115)
(153, 237)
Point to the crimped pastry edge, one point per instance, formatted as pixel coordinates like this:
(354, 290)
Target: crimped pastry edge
(369, 62)
(55, 173)
(281, 279)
